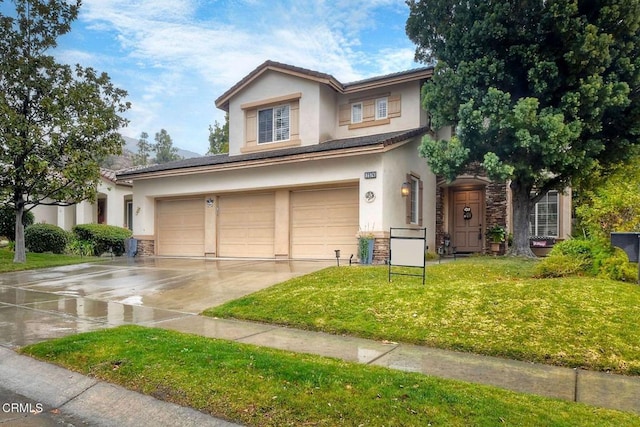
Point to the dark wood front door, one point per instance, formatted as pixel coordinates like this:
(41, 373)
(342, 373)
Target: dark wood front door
(467, 221)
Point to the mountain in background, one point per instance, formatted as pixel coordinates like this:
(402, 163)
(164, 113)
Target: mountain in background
(131, 144)
(130, 148)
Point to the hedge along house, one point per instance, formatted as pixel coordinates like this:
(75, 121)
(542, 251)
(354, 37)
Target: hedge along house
(114, 206)
(312, 164)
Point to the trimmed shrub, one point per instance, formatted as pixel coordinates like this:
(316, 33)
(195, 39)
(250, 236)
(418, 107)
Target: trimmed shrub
(45, 238)
(8, 221)
(594, 257)
(104, 237)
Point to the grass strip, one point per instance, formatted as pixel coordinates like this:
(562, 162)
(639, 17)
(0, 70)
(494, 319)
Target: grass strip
(266, 387)
(43, 260)
(490, 306)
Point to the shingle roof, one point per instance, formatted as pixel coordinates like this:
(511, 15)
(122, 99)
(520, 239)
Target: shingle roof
(222, 100)
(335, 145)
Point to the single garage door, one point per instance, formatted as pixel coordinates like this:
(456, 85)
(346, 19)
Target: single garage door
(323, 221)
(246, 225)
(180, 225)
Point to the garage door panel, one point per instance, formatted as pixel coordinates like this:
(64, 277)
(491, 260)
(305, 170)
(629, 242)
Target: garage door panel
(246, 225)
(323, 221)
(180, 229)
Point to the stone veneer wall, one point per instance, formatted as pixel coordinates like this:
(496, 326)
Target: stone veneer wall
(496, 213)
(146, 247)
(380, 250)
(439, 218)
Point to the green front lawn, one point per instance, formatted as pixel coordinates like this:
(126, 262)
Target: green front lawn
(266, 387)
(39, 261)
(488, 306)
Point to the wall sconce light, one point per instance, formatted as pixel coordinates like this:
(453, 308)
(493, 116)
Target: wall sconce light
(405, 189)
(209, 202)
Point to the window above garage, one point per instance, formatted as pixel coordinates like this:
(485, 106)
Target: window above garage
(375, 110)
(272, 123)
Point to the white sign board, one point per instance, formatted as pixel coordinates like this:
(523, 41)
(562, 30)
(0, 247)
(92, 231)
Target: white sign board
(407, 252)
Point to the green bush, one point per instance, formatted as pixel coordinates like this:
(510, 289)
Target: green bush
(8, 221)
(618, 267)
(79, 247)
(105, 238)
(45, 238)
(595, 257)
(561, 265)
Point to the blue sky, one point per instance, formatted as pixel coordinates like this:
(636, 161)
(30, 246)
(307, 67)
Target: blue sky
(175, 57)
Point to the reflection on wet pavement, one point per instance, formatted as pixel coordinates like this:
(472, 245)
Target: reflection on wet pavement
(42, 304)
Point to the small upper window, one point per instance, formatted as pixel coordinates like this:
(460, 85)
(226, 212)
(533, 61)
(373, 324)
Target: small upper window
(381, 108)
(356, 113)
(273, 124)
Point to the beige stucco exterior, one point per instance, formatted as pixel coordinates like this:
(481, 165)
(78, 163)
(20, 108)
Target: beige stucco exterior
(328, 157)
(112, 195)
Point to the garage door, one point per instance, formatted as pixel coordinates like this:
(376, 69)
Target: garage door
(323, 221)
(246, 225)
(180, 225)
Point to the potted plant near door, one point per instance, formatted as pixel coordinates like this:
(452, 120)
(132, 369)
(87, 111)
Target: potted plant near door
(496, 235)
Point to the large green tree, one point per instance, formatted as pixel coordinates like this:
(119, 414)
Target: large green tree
(164, 149)
(540, 91)
(610, 200)
(141, 158)
(56, 121)
(219, 137)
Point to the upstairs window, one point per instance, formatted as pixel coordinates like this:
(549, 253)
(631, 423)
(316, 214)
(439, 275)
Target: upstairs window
(544, 218)
(273, 124)
(381, 108)
(356, 113)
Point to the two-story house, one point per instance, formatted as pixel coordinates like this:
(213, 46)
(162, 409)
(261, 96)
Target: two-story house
(312, 164)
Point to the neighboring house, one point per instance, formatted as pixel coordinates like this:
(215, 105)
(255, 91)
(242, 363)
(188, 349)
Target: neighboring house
(312, 164)
(114, 206)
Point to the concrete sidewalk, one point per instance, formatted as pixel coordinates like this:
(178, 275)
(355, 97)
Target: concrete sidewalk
(592, 388)
(35, 393)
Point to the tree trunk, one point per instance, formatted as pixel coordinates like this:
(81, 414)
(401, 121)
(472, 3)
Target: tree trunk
(522, 207)
(20, 255)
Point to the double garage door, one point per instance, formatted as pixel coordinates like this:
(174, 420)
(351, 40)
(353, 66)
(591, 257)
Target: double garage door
(320, 221)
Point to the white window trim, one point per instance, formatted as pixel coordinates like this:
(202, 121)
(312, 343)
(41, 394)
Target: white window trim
(535, 224)
(273, 124)
(353, 107)
(380, 101)
(415, 200)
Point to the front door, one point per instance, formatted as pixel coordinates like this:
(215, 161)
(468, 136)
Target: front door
(467, 220)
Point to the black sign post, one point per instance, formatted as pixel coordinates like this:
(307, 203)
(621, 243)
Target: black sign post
(630, 243)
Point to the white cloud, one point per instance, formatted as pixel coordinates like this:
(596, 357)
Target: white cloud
(181, 54)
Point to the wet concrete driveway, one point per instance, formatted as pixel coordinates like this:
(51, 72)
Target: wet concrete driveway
(43, 304)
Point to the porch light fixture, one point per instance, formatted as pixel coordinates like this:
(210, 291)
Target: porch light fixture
(209, 202)
(405, 189)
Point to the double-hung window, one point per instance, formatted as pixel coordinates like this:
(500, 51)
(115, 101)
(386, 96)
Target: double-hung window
(273, 124)
(381, 108)
(356, 113)
(544, 218)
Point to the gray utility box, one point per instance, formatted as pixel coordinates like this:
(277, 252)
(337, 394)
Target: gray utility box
(630, 243)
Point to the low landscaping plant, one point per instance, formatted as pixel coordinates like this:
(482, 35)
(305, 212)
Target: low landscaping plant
(587, 256)
(45, 238)
(103, 237)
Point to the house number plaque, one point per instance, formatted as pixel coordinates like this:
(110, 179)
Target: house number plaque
(370, 175)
